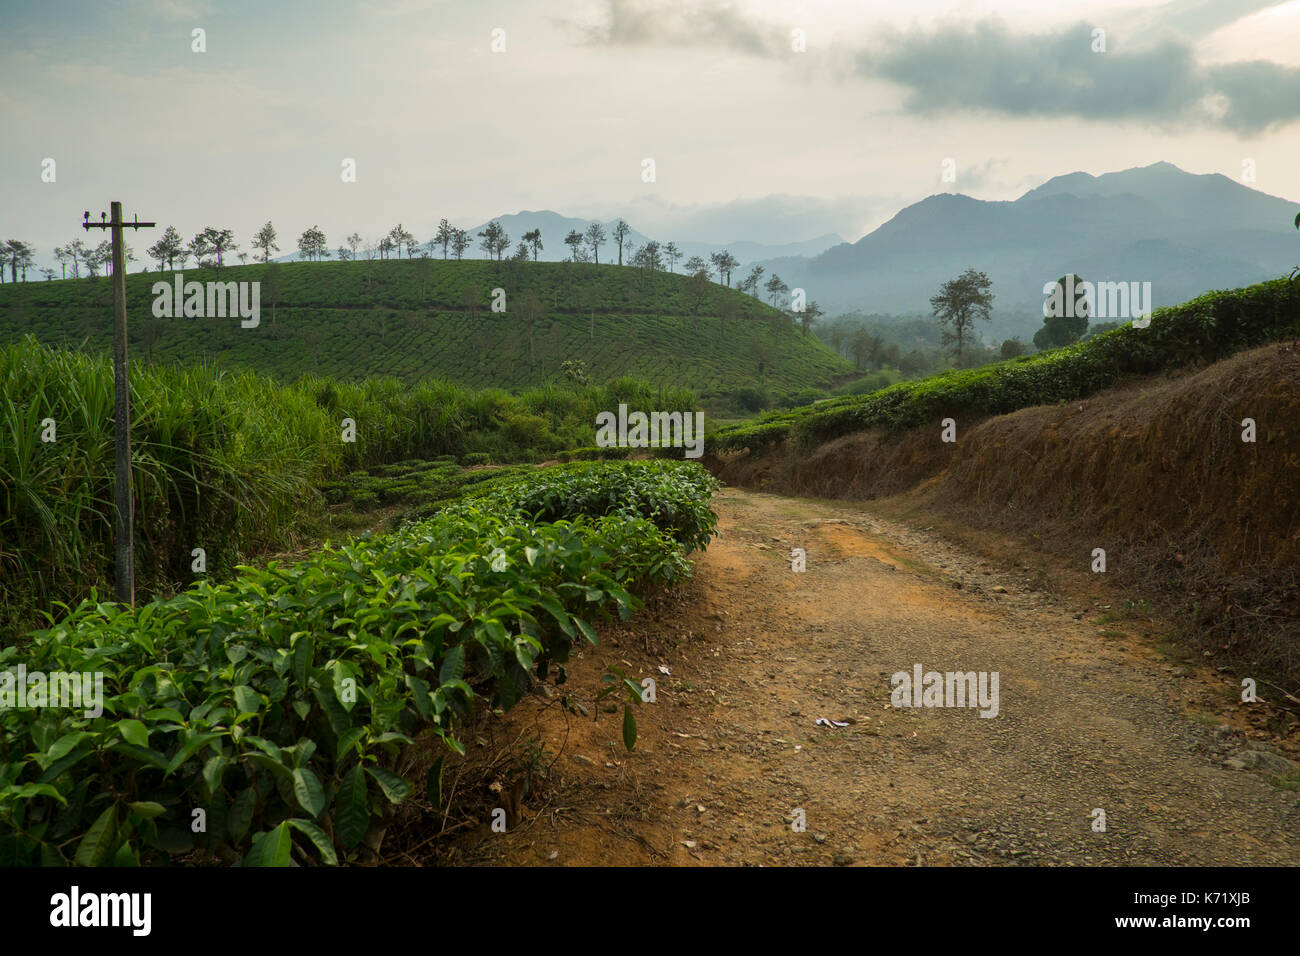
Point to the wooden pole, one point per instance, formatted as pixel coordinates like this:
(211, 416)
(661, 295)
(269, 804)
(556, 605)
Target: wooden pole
(123, 497)
(124, 524)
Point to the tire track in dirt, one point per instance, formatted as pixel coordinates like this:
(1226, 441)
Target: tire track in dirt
(758, 652)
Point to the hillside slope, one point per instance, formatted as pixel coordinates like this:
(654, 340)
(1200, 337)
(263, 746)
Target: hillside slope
(1155, 472)
(426, 317)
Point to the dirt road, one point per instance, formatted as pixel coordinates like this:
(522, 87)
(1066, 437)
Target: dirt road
(1090, 718)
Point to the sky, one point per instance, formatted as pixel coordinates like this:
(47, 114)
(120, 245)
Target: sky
(768, 121)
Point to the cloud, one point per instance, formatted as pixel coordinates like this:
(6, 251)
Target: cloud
(984, 66)
(677, 23)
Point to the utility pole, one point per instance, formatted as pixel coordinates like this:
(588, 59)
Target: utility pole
(124, 518)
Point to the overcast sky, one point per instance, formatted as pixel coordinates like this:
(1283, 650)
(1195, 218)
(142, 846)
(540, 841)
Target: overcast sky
(750, 139)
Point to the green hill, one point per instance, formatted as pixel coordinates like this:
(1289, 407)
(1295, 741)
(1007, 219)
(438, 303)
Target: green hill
(427, 317)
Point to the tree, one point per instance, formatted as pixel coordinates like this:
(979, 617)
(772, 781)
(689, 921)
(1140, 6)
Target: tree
(863, 346)
(343, 254)
(444, 236)
(353, 241)
(494, 240)
(265, 240)
(75, 252)
(21, 257)
(198, 248)
(218, 242)
(595, 235)
(621, 230)
(695, 266)
(312, 245)
(157, 251)
(101, 255)
(521, 252)
(243, 258)
(1012, 348)
(724, 262)
(4, 258)
(671, 255)
(459, 242)
(168, 248)
(959, 303)
(753, 279)
(398, 239)
(574, 241)
(1068, 318)
(385, 247)
(50, 274)
(59, 253)
(776, 288)
(534, 239)
(412, 247)
(811, 312)
(648, 257)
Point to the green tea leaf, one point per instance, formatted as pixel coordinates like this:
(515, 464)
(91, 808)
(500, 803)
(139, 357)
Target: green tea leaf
(351, 818)
(308, 791)
(318, 838)
(395, 788)
(99, 840)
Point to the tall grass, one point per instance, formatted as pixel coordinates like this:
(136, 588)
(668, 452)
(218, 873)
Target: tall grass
(229, 462)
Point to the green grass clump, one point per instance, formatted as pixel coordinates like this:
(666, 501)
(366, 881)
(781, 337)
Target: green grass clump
(1206, 329)
(278, 703)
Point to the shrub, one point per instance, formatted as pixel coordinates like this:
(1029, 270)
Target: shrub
(277, 704)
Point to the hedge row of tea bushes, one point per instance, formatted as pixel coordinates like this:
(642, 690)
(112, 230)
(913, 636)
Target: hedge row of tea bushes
(413, 319)
(229, 462)
(1206, 329)
(260, 721)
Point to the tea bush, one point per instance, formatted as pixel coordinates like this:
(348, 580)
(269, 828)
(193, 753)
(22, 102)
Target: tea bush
(261, 720)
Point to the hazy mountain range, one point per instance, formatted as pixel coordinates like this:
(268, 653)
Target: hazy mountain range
(1184, 233)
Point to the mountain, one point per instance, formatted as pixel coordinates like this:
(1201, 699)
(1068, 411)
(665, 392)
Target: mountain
(1184, 233)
